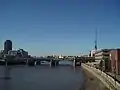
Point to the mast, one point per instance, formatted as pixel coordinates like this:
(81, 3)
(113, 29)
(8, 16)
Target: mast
(96, 37)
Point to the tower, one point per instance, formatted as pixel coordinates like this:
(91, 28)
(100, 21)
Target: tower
(7, 46)
(96, 34)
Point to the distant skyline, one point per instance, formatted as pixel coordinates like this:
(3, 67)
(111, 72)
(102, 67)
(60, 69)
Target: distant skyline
(46, 27)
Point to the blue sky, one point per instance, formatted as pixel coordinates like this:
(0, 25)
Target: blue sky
(44, 27)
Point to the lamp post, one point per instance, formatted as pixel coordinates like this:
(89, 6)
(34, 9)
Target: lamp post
(115, 74)
(7, 69)
(114, 63)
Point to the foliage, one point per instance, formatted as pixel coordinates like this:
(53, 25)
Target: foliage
(101, 64)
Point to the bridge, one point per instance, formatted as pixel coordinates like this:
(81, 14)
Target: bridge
(52, 61)
(37, 61)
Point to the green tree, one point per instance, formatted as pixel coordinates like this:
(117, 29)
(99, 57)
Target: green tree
(101, 65)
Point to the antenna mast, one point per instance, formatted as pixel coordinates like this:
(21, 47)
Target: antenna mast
(96, 34)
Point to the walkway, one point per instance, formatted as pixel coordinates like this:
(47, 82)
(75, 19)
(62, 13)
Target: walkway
(106, 79)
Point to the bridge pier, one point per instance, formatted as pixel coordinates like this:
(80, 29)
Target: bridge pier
(37, 62)
(76, 63)
(31, 63)
(54, 63)
(27, 61)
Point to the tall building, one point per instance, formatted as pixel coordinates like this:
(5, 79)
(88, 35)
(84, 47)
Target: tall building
(7, 46)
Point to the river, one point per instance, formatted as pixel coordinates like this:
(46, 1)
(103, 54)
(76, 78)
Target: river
(63, 77)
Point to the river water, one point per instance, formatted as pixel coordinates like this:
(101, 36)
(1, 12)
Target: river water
(63, 77)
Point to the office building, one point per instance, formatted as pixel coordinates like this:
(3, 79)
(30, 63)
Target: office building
(18, 53)
(7, 46)
(103, 55)
(12, 52)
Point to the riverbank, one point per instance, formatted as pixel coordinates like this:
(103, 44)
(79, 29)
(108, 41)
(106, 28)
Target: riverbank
(91, 82)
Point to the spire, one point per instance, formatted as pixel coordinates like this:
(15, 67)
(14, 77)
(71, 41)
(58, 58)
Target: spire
(95, 39)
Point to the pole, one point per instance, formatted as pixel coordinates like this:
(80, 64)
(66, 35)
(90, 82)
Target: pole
(115, 75)
(95, 42)
(7, 69)
(96, 37)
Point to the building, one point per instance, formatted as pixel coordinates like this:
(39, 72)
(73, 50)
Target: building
(22, 53)
(60, 56)
(85, 56)
(92, 53)
(7, 46)
(18, 53)
(12, 52)
(104, 56)
(1, 53)
(115, 61)
(101, 54)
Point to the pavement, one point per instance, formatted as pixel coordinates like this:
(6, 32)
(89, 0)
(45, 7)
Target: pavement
(105, 79)
(91, 82)
(92, 64)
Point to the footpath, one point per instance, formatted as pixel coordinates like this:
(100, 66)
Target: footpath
(108, 81)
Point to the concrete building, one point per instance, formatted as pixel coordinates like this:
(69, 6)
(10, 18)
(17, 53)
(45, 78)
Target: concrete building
(7, 46)
(23, 53)
(12, 52)
(103, 55)
(1, 53)
(115, 61)
(18, 53)
(92, 53)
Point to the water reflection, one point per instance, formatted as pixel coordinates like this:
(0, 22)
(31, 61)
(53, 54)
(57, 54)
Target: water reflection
(42, 78)
(77, 69)
(6, 84)
(7, 72)
(5, 79)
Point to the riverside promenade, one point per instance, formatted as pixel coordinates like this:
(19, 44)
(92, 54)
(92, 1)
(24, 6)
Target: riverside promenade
(108, 81)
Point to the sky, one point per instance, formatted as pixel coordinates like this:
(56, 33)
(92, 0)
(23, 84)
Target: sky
(46, 27)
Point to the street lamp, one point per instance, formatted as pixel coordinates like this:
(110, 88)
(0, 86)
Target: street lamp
(115, 73)
(114, 69)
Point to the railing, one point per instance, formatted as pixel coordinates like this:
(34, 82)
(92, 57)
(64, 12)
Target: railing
(106, 79)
